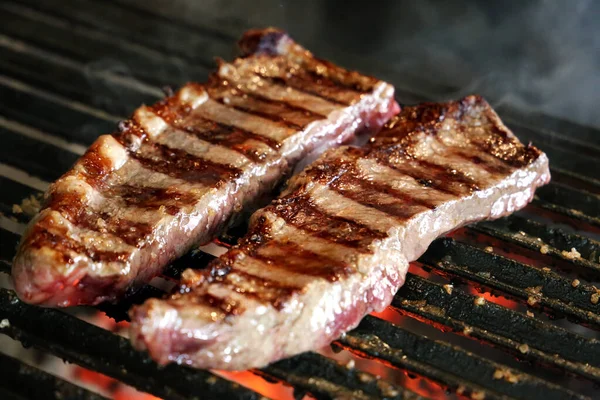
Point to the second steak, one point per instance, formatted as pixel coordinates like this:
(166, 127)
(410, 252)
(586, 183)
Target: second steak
(336, 245)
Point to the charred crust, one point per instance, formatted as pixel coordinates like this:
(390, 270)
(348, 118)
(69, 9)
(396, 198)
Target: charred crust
(261, 41)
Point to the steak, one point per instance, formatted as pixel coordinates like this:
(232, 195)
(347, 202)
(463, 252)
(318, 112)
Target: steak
(336, 245)
(175, 173)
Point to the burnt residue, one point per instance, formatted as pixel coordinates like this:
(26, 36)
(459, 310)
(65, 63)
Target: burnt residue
(261, 41)
(546, 342)
(559, 295)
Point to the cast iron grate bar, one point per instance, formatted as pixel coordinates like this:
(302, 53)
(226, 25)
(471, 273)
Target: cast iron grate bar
(321, 377)
(43, 160)
(8, 245)
(99, 86)
(537, 287)
(526, 337)
(173, 38)
(445, 376)
(541, 138)
(88, 46)
(23, 381)
(550, 125)
(324, 378)
(91, 347)
(220, 27)
(459, 370)
(408, 354)
(574, 203)
(74, 125)
(546, 240)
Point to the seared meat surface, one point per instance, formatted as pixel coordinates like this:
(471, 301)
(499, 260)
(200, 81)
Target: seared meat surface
(337, 244)
(175, 173)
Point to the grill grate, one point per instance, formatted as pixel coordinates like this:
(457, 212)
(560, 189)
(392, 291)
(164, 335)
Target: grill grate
(64, 79)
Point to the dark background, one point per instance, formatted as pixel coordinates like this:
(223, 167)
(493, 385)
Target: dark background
(535, 54)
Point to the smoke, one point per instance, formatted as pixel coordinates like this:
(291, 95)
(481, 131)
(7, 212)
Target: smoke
(533, 54)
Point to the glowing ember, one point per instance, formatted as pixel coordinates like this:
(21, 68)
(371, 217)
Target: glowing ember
(275, 391)
(108, 386)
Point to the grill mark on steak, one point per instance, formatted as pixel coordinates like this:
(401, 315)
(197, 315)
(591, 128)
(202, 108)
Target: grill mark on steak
(429, 174)
(263, 290)
(344, 178)
(275, 118)
(226, 306)
(171, 199)
(171, 110)
(253, 102)
(71, 207)
(231, 137)
(285, 107)
(502, 147)
(299, 211)
(63, 245)
(182, 165)
(473, 158)
(341, 76)
(291, 257)
(96, 168)
(331, 81)
(304, 87)
(368, 193)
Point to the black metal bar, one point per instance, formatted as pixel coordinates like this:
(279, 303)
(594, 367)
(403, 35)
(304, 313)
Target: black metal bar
(572, 161)
(69, 123)
(547, 240)
(8, 245)
(308, 372)
(87, 45)
(324, 378)
(532, 285)
(28, 382)
(92, 347)
(526, 337)
(542, 138)
(87, 84)
(218, 28)
(36, 158)
(549, 124)
(566, 200)
(195, 44)
(449, 365)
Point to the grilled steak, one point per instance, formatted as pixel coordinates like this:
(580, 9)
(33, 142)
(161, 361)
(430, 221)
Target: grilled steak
(176, 171)
(337, 243)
